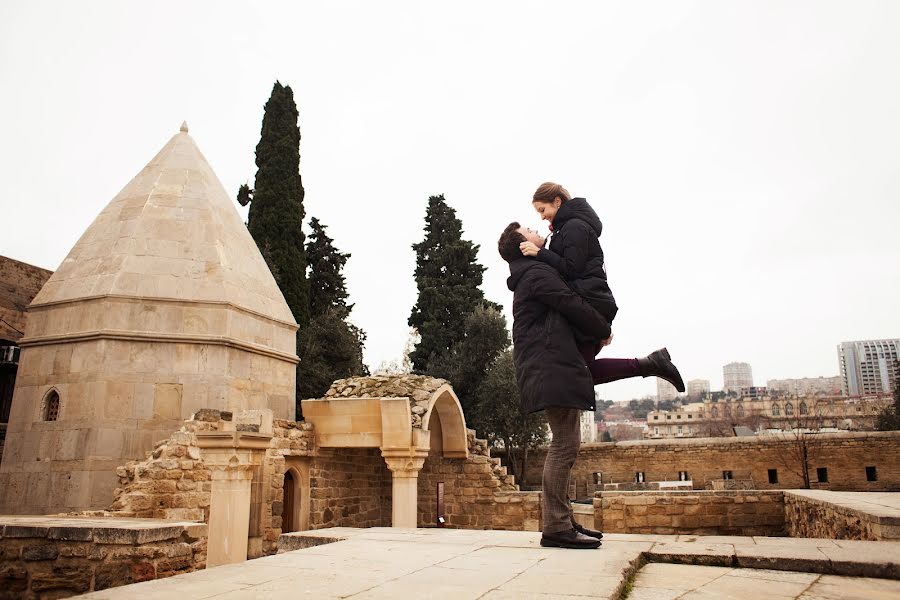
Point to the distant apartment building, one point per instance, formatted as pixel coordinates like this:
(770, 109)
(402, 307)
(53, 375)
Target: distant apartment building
(737, 375)
(806, 386)
(665, 390)
(588, 427)
(868, 366)
(697, 388)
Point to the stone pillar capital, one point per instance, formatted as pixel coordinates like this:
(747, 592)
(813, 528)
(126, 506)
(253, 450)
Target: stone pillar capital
(404, 466)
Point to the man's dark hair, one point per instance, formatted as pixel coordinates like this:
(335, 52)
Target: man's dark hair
(508, 245)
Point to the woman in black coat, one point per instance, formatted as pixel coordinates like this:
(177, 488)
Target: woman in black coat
(575, 253)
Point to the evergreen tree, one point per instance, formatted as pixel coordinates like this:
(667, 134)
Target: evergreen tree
(484, 337)
(330, 347)
(497, 409)
(276, 204)
(447, 276)
(327, 286)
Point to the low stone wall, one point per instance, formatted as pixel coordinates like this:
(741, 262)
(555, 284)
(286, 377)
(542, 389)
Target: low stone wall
(846, 457)
(755, 512)
(818, 514)
(47, 557)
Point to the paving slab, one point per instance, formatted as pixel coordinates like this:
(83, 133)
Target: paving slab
(830, 587)
(694, 553)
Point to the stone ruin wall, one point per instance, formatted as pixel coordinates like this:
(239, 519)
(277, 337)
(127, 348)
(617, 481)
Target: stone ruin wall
(810, 518)
(478, 493)
(745, 512)
(56, 560)
(348, 487)
(845, 455)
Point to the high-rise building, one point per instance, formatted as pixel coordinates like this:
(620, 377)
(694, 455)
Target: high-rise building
(697, 388)
(737, 375)
(665, 390)
(868, 366)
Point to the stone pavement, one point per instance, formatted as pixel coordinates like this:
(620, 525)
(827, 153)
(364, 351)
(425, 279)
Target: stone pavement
(366, 564)
(658, 581)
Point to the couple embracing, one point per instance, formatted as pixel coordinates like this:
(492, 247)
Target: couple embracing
(562, 315)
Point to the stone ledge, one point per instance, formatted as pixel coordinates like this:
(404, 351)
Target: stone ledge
(100, 531)
(850, 504)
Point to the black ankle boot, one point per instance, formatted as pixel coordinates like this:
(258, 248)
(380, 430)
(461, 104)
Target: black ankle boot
(659, 364)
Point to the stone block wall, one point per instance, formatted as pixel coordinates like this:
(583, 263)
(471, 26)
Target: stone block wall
(478, 493)
(812, 517)
(54, 558)
(755, 512)
(349, 487)
(844, 455)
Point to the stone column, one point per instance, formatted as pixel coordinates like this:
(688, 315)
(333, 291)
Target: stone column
(404, 489)
(231, 456)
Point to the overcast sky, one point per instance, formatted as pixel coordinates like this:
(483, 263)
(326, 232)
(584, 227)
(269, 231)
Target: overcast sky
(743, 156)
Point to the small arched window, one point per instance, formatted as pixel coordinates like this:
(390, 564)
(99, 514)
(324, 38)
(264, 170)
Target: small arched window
(776, 410)
(740, 410)
(789, 409)
(803, 408)
(715, 412)
(50, 409)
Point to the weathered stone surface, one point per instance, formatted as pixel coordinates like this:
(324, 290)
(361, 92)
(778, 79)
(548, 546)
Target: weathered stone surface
(75, 579)
(40, 552)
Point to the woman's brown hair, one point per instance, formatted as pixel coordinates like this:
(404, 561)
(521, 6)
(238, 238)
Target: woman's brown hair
(549, 191)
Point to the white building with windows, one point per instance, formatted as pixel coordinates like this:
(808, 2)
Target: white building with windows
(665, 390)
(737, 375)
(868, 366)
(697, 388)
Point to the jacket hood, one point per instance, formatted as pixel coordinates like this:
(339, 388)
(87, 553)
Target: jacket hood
(517, 269)
(577, 208)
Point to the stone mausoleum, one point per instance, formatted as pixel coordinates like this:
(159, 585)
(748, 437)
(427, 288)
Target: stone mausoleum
(163, 307)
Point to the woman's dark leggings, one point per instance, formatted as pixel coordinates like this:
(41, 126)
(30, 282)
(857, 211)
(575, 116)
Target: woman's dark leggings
(604, 370)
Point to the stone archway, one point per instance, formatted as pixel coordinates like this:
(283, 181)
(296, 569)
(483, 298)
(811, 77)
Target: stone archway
(290, 493)
(444, 419)
(401, 416)
(295, 503)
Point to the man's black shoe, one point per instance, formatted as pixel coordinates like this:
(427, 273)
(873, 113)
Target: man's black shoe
(569, 539)
(659, 364)
(588, 532)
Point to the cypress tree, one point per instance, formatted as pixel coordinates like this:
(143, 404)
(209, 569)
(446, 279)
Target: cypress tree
(327, 286)
(330, 347)
(276, 204)
(448, 278)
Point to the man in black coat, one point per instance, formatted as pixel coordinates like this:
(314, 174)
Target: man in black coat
(551, 374)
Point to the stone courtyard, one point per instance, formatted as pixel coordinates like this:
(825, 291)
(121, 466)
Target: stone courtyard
(382, 563)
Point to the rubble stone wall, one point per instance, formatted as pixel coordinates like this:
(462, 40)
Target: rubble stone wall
(844, 455)
(478, 493)
(58, 560)
(755, 512)
(807, 517)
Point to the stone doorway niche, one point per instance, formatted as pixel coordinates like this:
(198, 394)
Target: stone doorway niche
(387, 423)
(295, 505)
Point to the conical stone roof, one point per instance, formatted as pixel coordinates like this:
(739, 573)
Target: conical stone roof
(172, 233)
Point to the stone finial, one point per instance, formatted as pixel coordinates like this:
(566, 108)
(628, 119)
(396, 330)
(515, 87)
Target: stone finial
(184, 127)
